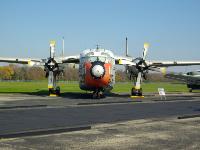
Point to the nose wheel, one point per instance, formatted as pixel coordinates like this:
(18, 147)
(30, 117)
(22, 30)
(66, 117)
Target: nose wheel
(96, 94)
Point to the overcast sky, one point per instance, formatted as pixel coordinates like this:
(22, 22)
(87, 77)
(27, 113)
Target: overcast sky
(172, 27)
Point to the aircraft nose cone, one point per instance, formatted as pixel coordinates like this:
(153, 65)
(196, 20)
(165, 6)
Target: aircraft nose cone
(97, 71)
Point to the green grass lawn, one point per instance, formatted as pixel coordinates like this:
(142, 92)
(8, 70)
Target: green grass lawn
(152, 87)
(40, 87)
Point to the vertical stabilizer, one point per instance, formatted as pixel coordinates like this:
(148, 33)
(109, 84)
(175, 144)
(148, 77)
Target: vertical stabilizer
(63, 47)
(126, 46)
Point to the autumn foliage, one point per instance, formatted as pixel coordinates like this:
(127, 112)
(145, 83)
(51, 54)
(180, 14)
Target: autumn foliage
(6, 72)
(16, 72)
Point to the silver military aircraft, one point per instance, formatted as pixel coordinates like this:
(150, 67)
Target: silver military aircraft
(96, 68)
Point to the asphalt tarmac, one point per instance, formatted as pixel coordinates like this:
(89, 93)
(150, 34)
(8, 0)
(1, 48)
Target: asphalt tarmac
(26, 118)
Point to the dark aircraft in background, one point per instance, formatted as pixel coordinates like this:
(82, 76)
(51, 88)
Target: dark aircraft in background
(192, 79)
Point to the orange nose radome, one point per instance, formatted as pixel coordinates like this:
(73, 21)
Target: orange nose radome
(97, 71)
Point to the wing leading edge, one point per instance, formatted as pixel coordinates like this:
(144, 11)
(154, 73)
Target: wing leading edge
(131, 62)
(27, 61)
(172, 63)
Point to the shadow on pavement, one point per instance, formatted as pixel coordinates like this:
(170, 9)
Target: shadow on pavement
(71, 95)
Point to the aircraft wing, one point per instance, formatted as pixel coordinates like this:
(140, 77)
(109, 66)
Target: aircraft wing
(171, 63)
(71, 59)
(31, 62)
(130, 61)
(27, 61)
(124, 60)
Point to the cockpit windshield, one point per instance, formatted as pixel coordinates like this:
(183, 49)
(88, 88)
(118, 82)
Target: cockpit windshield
(96, 58)
(104, 59)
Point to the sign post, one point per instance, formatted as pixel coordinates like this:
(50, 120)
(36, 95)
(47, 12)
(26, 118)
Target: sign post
(161, 92)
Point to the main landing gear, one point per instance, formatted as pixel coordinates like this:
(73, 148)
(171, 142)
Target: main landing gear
(53, 89)
(136, 92)
(54, 92)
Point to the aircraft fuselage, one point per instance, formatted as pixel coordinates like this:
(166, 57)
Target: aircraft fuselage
(96, 70)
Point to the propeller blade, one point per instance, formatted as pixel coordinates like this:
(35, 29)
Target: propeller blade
(146, 46)
(52, 49)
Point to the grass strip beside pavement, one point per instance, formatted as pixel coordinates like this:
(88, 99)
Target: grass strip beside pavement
(152, 87)
(41, 87)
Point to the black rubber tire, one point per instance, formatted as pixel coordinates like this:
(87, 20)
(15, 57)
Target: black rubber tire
(135, 92)
(58, 90)
(51, 91)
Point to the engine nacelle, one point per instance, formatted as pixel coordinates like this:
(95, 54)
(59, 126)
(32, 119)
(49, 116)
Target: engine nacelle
(53, 66)
(132, 71)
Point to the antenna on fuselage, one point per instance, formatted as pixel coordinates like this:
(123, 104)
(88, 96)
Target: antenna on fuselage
(126, 48)
(63, 46)
(97, 46)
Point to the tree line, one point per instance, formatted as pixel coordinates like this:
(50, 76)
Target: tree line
(16, 72)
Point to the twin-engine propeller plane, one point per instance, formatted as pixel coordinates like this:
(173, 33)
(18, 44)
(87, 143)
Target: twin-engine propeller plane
(97, 68)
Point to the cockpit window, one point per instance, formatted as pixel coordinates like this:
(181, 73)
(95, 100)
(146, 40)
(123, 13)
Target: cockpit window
(92, 59)
(102, 59)
(98, 58)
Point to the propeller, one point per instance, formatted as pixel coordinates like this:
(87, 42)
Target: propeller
(145, 50)
(140, 68)
(51, 65)
(141, 64)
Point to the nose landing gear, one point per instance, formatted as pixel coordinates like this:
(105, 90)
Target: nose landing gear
(96, 94)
